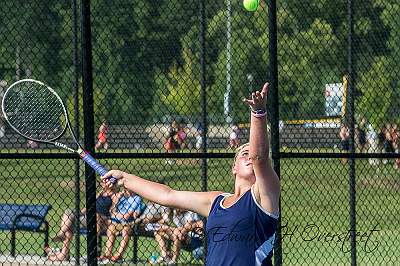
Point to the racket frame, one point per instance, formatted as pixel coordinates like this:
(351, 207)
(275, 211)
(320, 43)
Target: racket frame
(84, 155)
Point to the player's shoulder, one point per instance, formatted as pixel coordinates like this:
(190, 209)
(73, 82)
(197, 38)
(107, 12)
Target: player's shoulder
(214, 194)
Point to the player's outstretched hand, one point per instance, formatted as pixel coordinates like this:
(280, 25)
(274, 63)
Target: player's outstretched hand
(117, 174)
(258, 99)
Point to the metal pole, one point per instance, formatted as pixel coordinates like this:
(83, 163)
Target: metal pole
(274, 111)
(228, 93)
(203, 92)
(89, 133)
(75, 86)
(352, 163)
(204, 185)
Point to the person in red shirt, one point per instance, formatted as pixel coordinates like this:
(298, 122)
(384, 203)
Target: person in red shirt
(102, 140)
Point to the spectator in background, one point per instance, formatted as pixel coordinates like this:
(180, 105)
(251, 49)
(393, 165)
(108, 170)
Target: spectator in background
(102, 140)
(32, 144)
(153, 216)
(361, 134)
(381, 139)
(388, 141)
(372, 141)
(185, 222)
(344, 140)
(234, 141)
(125, 209)
(170, 143)
(395, 136)
(199, 136)
(65, 234)
(181, 136)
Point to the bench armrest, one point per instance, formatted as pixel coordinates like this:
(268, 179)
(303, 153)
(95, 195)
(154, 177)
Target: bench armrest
(39, 219)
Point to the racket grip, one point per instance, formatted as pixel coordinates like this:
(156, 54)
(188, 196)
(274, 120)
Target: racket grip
(96, 165)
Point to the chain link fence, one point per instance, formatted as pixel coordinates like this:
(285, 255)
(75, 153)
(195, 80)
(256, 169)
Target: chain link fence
(167, 81)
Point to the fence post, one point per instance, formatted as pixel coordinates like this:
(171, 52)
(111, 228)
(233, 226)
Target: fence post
(89, 133)
(204, 126)
(75, 86)
(351, 91)
(274, 111)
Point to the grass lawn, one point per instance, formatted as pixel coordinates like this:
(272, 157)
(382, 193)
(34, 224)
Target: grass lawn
(315, 203)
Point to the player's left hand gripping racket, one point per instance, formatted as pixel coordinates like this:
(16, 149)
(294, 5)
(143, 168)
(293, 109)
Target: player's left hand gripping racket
(36, 112)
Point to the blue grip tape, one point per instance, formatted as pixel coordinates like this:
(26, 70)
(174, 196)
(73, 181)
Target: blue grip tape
(96, 166)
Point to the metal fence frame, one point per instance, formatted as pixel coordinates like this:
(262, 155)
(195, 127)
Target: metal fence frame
(84, 68)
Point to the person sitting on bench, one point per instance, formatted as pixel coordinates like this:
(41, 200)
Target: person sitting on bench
(65, 234)
(153, 216)
(126, 207)
(185, 222)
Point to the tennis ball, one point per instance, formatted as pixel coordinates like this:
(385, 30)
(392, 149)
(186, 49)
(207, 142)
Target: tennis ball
(251, 5)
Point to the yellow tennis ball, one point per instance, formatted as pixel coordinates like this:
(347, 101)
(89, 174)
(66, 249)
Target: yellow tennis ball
(251, 5)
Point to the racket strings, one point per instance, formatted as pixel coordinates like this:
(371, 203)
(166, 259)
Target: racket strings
(35, 111)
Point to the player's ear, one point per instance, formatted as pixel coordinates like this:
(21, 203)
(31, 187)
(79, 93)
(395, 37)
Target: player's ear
(234, 169)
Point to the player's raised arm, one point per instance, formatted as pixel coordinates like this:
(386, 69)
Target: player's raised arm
(267, 185)
(199, 202)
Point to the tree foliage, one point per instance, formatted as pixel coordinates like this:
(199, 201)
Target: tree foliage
(146, 56)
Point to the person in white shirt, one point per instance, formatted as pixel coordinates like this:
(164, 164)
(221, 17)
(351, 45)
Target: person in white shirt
(185, 222)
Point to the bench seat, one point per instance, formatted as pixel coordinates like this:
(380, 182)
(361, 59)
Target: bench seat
(24, 217)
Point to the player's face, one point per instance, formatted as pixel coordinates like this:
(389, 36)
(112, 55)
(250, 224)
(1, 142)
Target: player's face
(243, 166)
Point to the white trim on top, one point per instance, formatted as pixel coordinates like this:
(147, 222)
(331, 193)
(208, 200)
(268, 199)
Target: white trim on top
(227, 195)
(261, 208)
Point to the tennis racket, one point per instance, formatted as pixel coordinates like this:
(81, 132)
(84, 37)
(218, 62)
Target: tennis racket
(36, 112)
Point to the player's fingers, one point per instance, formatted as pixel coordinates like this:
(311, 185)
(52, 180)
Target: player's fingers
(247, 101)
(110, 178)
(107, 175)
(265, 88)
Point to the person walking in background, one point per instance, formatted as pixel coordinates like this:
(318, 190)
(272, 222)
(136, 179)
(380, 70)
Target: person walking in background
(171, 143)
(387, 140)
(181, 136)
(32, 144)
(361, 134)
(251, 211)
(102, 141)
(372, 142)
(344, 140)
(234, 140)
(395, 136)
(199, 136)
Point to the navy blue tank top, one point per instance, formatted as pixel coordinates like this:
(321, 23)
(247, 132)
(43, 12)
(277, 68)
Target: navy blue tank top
(103, 205)
(242, 234)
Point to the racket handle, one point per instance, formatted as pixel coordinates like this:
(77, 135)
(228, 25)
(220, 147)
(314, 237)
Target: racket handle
(96, 165)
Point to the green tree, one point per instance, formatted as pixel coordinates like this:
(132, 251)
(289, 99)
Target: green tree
(101, 111)
(380, 85)
(182, 88)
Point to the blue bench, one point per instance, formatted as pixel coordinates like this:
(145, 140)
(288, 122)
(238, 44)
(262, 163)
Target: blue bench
(24, 217)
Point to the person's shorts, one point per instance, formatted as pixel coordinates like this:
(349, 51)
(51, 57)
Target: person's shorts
(362, 138)
(388, 146)
(345, 145)
(83, 219)
(120, 226)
